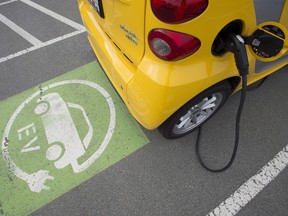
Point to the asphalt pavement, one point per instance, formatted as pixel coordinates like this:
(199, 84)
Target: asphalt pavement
(163, 177)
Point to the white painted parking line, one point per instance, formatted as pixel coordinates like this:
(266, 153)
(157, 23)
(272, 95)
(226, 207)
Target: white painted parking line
(26, 35)
(53, 14)
(37, 44)
(253, 186)
(47, 43)
(7, 2)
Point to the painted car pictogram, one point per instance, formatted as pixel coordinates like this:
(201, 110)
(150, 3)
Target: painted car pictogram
(61, 131)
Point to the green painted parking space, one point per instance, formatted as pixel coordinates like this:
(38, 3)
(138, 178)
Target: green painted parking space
(59, 134)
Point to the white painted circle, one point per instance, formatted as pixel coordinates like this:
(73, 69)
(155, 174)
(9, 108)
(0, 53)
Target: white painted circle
(112, 123)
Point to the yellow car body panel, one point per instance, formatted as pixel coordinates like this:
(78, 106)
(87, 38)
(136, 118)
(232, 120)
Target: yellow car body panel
(153, 89)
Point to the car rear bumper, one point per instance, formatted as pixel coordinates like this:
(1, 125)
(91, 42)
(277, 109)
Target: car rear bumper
(121, 71)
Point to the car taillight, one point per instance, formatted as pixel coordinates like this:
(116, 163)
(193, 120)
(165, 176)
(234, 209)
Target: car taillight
(170, 45)
(176, 11)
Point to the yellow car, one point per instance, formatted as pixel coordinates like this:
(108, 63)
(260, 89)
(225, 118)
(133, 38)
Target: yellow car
(166, 58)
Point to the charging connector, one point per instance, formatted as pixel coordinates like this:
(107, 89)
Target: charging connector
(235, 44)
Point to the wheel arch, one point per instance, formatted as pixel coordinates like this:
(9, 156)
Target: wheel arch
(234, 82)
(167, 127)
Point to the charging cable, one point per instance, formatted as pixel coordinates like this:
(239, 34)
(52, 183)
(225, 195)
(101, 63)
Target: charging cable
(235, 44)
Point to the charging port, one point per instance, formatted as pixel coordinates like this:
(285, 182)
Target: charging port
(218, 46)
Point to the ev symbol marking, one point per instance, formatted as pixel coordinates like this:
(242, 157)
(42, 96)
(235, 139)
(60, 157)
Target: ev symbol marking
(65, 145)
(25, 129)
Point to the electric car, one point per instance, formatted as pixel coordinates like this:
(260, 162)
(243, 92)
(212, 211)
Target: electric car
(168, 59)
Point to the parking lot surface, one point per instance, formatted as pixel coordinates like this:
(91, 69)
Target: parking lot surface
(42, 44)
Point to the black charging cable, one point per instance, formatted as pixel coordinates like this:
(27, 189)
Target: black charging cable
(235, 44)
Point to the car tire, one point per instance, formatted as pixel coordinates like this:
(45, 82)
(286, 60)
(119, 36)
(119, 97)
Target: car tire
(196, 112)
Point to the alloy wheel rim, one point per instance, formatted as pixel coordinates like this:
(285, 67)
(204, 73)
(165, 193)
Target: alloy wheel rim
(198, 113)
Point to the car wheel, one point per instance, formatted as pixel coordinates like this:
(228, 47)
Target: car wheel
(196, 112)
(54, 152)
